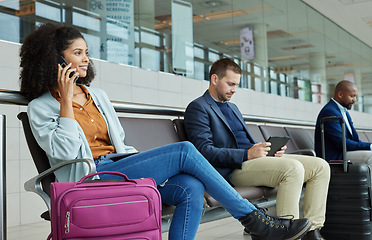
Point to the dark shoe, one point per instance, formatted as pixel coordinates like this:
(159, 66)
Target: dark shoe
(264, 227)
(313, 235)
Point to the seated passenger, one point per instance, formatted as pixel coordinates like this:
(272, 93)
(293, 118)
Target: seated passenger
(72, 120)
(217, 129)
(357, 151)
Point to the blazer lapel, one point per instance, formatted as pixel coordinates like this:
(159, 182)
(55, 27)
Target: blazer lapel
(340, 115)
(218, 112)
(354, 132)
(240, 117)
(215, 108)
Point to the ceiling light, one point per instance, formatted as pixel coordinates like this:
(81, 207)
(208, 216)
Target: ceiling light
(230, 42)
(281, 58)
(212, 3)
(298, 47)
(346, 2)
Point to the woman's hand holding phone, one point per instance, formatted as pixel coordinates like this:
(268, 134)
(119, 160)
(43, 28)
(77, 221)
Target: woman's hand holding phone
(61, 61)
(66, 77)
(66, 89)
(65, 82)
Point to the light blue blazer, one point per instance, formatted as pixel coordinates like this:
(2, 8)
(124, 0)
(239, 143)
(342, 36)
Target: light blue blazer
(63, 139)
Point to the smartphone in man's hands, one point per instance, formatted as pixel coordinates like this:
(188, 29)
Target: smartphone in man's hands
(63, 63)
(277, 142)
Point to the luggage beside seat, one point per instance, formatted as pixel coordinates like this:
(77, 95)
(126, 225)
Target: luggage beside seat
(106, 209)
(348, 215)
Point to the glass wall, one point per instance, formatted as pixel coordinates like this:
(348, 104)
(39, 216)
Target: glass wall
(284, 47)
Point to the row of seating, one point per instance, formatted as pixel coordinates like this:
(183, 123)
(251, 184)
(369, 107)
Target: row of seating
(148, 133)
(301, 139)
(145, 134)
(365, 136)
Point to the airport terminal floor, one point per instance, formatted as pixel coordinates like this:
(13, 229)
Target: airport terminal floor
(227, 228)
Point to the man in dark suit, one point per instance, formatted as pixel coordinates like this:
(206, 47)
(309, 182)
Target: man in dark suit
(217, 129)
(357, 151)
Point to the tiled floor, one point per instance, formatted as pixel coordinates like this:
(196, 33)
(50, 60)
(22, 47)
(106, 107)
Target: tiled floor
(36, 231)
(227, 228)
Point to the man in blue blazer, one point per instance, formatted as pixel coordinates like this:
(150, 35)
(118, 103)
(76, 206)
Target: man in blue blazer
(217, 129)
(357, 151)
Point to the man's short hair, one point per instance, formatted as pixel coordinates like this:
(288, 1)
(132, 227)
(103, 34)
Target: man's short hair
(219, 67)
(343, 86)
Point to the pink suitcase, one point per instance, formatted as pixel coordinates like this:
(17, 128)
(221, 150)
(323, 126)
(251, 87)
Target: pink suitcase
(102, 209)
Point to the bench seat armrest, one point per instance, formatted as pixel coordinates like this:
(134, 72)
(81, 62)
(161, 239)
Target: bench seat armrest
(309, 152)
(34, 184)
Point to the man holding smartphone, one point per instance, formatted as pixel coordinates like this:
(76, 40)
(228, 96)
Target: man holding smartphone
(217, 129)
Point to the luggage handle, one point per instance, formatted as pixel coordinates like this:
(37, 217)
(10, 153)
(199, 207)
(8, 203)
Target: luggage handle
(342, 121)
(106, 172)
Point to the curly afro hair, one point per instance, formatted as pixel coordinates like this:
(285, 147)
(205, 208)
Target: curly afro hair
(39, 54)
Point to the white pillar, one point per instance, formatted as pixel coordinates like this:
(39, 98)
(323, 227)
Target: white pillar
(261, 55)
(318, 74)
(358, 83)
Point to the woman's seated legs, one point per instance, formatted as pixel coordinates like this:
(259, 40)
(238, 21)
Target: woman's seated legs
(187, 194)
(165, 162)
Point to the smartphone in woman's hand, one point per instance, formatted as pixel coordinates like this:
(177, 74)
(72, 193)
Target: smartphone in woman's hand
(63, 64)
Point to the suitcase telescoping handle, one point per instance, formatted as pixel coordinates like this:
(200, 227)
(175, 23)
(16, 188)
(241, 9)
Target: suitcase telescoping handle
(342, 121)
(106, 172)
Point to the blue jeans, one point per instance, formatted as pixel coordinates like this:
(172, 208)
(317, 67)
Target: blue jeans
(188, 174)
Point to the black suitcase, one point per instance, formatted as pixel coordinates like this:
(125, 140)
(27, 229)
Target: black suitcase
(348, 215)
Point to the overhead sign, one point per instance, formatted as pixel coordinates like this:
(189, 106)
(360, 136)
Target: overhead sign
(284, 69)
(26, 10)
(246, 43)
(118, 18)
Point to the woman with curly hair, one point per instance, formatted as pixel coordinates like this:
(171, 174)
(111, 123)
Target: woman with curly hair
(39, 59)
(72, 121)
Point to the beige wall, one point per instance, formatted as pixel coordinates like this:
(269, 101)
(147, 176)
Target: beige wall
(127, 84)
